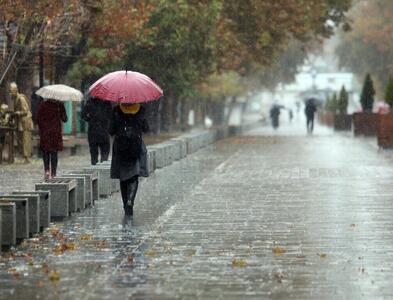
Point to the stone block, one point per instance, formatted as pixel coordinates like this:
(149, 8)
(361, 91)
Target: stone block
(151, 160)
(81, 189)
(63, 196)
(92, 184)
(45, 206)
(8, 224)
(115, 184)
(194, 142)
(161, 155)
(182, 144)
(104, 179)
(22, 216)
(34, 210)
(1, 215)
(174, 150)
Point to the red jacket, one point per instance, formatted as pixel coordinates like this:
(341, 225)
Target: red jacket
(49, 117)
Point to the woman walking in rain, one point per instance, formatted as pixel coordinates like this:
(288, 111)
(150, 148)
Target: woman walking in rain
(129, 153)
(50, 114)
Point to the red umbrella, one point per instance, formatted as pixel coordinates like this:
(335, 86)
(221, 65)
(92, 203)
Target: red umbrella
(126, 87)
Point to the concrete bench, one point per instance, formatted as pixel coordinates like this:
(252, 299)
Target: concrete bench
(151, 160)
(91, 186)
(173, 149)
(22, 216)
(182, 146)
(63, 196)
(162, 155)
(81, 189)
(34, 210)
(105, 184)
(115, 184)
(8, 224)
(45, 206)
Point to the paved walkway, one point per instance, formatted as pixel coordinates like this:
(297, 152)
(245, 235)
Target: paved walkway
(267, 215)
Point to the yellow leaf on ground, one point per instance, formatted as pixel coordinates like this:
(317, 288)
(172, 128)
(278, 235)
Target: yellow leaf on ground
(322, 255)
(70, 246)
(239, 263)
(86, 237)
(151, 253)
(279, 251)
(190, 253)
(54, 276)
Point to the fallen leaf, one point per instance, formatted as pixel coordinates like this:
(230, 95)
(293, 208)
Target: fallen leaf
(98, 268)
(353, 225)
(13, 271)
(322, 255)
(190, 253)
(70, 246)
(130, 259)
(279, 277)
(151, 253)
(279, 251)
(54, 276)
(59, 249)
(300, 256)
(102, 244)
(40, 283)
(55, 231)
(45, 269)
(239, 263)
(86, 237)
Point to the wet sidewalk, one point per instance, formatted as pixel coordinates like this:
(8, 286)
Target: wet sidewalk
(266, 215)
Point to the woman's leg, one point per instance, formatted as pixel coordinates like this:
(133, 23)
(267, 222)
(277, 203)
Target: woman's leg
(133, 188)
(128, 190)
(53, 162)
(45, 158)
(124, 192)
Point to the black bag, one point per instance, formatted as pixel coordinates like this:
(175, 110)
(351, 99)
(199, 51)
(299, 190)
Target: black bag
(129, 143)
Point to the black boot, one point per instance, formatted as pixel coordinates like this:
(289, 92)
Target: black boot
(132, 189)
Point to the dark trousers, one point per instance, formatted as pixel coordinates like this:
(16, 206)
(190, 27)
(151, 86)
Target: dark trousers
(310, 124)
(96, 147)
(50, 162)
(128, 189)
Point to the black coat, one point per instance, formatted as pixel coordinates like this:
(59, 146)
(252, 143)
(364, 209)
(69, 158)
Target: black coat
(97, 113)
(121, 168)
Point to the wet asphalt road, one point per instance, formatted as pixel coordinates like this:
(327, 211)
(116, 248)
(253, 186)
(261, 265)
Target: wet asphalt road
(266, 215)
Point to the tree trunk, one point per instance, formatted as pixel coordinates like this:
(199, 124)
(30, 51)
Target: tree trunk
(230, 108)
(168, 112)
(153, 116)
(24, 79)
(185, 110)
(218, 111)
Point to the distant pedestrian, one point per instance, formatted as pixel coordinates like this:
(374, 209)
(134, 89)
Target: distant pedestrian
(98, 113)
(129, 153)
(275, 115)
(23, 120)
(290, 115)
(50, 114)
(310, 110)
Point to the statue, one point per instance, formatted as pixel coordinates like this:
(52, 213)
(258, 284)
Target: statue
(23, 122)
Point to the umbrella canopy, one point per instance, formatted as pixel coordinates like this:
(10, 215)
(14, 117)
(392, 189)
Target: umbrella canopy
(126, 87)
(60, 92)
